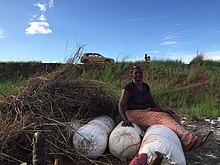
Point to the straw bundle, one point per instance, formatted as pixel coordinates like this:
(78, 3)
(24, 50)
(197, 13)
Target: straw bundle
(45, 103)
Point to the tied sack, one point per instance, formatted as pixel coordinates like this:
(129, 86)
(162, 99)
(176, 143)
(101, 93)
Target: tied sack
(162, 139)
(92, 138)
(124, 142)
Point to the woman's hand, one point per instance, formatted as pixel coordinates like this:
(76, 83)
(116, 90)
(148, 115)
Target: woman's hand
(169, 111)
(173, 115)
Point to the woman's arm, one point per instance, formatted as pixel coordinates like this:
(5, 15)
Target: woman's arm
(122, 106)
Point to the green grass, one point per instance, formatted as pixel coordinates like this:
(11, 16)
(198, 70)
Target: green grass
(211, 68)
(109, 73)
(204, 107)
(171, 83)
(8, 86)
(167, 92)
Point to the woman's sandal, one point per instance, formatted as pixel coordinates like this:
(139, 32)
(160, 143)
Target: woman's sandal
(201, 141)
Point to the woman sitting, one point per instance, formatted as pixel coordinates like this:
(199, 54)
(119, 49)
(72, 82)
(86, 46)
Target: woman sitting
(137, 105)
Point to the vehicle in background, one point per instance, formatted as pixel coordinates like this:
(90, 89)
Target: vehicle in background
(95, 57)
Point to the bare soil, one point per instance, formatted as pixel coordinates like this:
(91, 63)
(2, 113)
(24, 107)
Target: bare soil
(210, 153)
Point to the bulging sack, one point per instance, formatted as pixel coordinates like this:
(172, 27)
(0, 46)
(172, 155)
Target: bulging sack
(163, 139)
(92, 138)
(71, 127)
(124, 142)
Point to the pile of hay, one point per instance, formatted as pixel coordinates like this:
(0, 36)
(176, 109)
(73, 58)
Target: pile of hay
(46, 103)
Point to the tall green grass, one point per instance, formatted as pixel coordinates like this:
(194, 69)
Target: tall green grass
(167, 86)
(7, 87)
(12, 79)
(170, 83)
(109, 73)
(168, 91)
(212, 69)
(205, 106)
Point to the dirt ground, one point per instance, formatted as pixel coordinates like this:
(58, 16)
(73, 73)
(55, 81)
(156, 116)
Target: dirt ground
(210, 153)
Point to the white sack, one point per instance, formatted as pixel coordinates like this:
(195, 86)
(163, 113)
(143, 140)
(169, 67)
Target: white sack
(124, 142)
(92, 138)
(71, 127)
(163, 139)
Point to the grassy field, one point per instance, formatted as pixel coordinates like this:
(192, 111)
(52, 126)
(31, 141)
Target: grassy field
(192, 88)
(14, 74)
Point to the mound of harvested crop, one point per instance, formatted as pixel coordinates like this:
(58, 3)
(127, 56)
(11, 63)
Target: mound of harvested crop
(45, 103)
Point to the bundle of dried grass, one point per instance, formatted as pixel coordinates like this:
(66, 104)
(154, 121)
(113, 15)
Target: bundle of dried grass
(45, 103)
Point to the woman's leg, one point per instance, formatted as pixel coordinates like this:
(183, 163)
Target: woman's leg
(147, 118)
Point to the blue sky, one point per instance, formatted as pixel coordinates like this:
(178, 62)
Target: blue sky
(51, 30)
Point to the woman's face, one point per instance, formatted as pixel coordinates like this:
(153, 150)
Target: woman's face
(137, 75)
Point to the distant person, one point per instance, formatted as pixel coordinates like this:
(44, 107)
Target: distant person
(137, 105)
(147, 58)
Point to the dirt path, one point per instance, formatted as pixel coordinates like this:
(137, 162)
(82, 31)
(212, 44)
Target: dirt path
(210, 154)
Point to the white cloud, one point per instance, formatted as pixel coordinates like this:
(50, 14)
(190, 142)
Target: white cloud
(169, 43)
(169, 37)
(42, 6)
(51, 4)
(34, 17)
(135, 19)
(38, 28)
(38, 24)
(213, 56)
(42, 18)
(187, 57)
(172, 36)
(153, 52)
(2, 33)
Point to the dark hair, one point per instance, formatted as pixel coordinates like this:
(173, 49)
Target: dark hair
(134, 67)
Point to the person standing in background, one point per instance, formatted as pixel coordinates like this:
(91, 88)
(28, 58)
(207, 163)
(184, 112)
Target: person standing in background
(147, 58)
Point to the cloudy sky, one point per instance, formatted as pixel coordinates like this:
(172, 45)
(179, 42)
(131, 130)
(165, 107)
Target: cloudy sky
(51, 30)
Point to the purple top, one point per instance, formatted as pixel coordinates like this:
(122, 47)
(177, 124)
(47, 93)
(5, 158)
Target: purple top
(138, 99)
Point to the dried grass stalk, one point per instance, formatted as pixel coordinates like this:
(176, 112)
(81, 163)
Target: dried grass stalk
(45, 103)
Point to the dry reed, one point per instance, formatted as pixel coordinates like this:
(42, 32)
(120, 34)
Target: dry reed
(45, 103)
